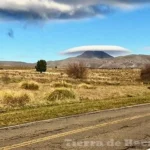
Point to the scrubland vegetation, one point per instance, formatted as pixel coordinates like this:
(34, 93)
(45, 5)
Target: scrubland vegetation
(145, 73)
(27, 95)
(77, 70)
(29, 85)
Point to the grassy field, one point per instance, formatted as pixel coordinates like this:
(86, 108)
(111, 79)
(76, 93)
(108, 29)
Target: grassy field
(27, 96)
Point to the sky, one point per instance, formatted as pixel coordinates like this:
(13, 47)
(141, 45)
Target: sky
(34, 29)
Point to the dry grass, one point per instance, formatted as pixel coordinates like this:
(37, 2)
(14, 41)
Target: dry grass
(110, 92)
(108, 83)
(61, 94)
(101, 85)
(61, 84)
(86, 86)
(29, 85)
(5, 79)
(14, 99)
(47, 112)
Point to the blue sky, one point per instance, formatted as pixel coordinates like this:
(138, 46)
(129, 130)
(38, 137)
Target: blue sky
(30, 42)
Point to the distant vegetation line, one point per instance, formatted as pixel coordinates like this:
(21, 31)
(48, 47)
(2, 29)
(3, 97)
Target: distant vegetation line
(91, 61)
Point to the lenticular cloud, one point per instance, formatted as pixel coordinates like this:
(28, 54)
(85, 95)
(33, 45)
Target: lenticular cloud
(45, 10)
(112, 50)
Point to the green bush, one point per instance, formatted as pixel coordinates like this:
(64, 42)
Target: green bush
(61, 94)
(30, 85)
(41, 66)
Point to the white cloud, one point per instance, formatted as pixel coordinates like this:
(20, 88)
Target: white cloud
(33, 4)
(62, 9)
(113, 50)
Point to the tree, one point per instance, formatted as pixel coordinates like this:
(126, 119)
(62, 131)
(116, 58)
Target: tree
(41, 66)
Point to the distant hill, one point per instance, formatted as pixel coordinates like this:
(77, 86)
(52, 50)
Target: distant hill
(95, 54)
(15, 64)
(91, 60)
(130, 61)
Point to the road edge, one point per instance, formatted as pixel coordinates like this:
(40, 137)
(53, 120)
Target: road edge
(71, 116)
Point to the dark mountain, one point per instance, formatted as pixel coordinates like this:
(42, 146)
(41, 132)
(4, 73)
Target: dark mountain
(95, 54)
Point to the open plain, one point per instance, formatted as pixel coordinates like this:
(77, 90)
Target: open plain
(28, 96)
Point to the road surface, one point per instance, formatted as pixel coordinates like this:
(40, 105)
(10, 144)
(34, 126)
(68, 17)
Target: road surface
(119, 129)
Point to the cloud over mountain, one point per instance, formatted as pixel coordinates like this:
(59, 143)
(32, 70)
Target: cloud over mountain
(112, 50)
(45, 10)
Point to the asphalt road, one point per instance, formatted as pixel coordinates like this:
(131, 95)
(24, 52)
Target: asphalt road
(120, 129)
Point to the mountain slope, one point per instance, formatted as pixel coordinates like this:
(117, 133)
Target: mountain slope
(94, 54)
(130, 61)
(15, 64)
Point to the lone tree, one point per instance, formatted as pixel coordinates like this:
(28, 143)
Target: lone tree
(41, 66)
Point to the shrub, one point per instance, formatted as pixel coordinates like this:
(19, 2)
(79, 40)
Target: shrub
(145, 73)
(61, 94)
(41, 66)
(77, 70)
(15, 99)
(30, 85)
(61, 84)
(86, 86)
(5, 79)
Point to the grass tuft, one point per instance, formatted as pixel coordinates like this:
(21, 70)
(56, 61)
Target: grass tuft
(14, 99)
(61, 84)
(29, 85)
(86, 86)
(61, 94)
(5, 79)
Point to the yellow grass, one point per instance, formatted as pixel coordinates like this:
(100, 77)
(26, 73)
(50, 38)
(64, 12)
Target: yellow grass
(14, 99)
(61, 84)
(100, 85)
(29, 85)
(102, 89)
(86, 86)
